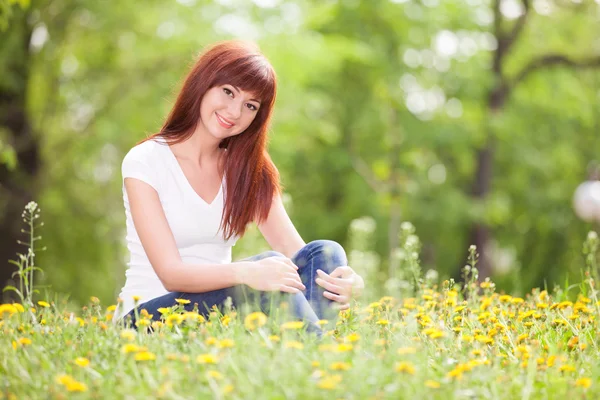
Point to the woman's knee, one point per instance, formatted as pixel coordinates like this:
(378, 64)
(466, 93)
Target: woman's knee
(330, 253)
(329, 248)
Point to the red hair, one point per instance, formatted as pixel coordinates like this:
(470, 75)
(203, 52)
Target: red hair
(252, 178)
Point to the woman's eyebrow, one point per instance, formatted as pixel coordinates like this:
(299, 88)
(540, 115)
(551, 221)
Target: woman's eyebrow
(239, 91)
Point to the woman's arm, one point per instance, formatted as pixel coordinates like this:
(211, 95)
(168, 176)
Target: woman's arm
(160, 247)
(279, 231)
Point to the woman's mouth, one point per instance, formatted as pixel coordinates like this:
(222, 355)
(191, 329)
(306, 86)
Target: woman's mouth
(223, 122)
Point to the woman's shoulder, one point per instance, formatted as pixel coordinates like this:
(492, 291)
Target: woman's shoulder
(148, 151)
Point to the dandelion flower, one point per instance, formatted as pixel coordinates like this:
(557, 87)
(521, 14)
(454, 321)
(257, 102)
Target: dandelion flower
(293, 345)
(432, 384)
(183, 301)
(353, 337)
(129, 348)
(24, 341)
(82, 362)
(226, 343)
(405, 367)
(43, 304)
(255, 320)
(406, 350)
(292, 325)
(567, 368)
(583, 382)
(209, 341)
(207, 359)
(128, 334)
(214, 374)
(340, 366)
(344, 347)
(145, 356)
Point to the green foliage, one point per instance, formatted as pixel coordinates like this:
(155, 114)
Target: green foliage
(376, 116)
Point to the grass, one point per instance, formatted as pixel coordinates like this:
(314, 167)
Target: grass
(441, 341)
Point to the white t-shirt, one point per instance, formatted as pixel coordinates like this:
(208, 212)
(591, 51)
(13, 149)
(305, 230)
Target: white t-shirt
(193, 222)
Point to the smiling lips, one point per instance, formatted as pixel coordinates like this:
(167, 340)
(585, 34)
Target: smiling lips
(223, 122)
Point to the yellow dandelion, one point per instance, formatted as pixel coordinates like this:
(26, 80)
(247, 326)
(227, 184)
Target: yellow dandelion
(405, 367)
(111, 308)
(567, 368)
(18, 307)
(24, 341)
(322, 322)
(344, 347)
(174, 319)
(432, 384)
(274, 338)
(128, 334)
(329, 382)
(340, 366)
(583, 382)
(209, 341)
(353, 337)
(315, 364)
(145, 356)
(43, 304)
(226, 343)
(293, 345)
(383, 322)
(255, 320)
(163, 310)
(207, 359)
(292, 325)
(82, 362)
(129, 348)
(183, 301)
(406, 350)
(211, 373)
(136, 298)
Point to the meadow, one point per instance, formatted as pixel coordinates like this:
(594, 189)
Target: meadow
(441, 340)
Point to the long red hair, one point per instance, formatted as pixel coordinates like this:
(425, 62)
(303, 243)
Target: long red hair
(252, 178)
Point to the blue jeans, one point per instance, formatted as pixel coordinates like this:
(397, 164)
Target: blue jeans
(310, 305)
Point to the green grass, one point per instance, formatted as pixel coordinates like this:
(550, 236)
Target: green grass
(435, 345)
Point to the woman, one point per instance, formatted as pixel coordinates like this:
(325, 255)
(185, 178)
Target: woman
(190, 190)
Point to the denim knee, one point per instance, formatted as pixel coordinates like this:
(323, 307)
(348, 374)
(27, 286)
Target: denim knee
(331, 254)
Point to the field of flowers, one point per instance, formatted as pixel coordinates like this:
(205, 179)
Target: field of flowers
(441, 341)
(435, 345)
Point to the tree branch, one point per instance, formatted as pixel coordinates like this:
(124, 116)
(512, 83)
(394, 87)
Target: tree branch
(365, 171)
(512, 37)
(551, 60)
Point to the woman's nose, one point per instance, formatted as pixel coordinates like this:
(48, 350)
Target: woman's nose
(235, 109)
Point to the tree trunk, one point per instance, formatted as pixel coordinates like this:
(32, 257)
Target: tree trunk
(17, 186)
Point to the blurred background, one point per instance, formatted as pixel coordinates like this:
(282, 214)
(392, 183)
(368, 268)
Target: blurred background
(460, 122)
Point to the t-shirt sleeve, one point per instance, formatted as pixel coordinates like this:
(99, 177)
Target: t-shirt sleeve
(138, 164)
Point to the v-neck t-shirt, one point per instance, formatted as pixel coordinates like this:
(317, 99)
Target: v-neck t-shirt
(193, 222)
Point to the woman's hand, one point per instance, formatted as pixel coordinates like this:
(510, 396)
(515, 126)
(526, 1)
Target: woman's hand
(272, 274)
(341, 285)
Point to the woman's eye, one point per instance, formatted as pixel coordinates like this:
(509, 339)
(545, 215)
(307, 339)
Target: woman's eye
(227, 91)
(252, 107)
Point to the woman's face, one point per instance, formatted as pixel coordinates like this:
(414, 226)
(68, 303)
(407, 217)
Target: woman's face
(227, 111)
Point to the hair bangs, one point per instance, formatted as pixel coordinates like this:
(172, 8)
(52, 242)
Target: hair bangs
(251, 74)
